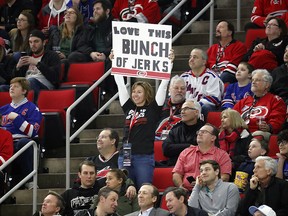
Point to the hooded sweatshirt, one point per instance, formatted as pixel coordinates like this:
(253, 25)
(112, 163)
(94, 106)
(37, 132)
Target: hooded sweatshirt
(50, 16)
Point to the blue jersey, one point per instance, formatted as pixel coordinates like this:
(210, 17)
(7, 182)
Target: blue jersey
(26, 124)
(234, 93)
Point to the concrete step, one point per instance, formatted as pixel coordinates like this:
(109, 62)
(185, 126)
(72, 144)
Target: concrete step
(58, 165)
(229, 3)
(203, 26)
(76, 150)
(18, 209)
(111, 120)
(26, 196)
(231, 13)
(93, 133)
(54, 180)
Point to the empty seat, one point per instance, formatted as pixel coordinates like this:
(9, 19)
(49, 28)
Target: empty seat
(53, 105)
(214, 118)
(273, 146)
(253, 34)
(158, 152)
(162, 178)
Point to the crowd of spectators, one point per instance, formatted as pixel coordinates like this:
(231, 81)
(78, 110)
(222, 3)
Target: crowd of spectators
(35, 39)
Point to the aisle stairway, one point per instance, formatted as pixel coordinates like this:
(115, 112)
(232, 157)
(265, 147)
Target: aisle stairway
(55, 160)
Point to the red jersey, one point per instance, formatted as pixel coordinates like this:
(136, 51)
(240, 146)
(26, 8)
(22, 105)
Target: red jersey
(226, 58)
(143, 10)
(263, 8)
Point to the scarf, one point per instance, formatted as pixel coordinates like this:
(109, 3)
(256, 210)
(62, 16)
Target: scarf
(228, 141)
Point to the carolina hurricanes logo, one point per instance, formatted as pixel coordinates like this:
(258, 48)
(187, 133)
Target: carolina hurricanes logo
(256, 112)
(24, 112)
(127, 14)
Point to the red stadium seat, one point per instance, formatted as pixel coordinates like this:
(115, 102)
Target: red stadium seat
(53, 105)
(163, 203)
(6, 99)
(253, 34)
(158, 153)
(273, 146)
(162, 178)
(214, 118)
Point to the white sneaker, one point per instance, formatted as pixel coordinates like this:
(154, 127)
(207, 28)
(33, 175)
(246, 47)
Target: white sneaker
(29, 185)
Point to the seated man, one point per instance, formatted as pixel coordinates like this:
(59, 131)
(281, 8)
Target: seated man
(202, 84)
(148, 197)
(81, 196)
(171, 110)
(209, 188)
(265, 188)
(264, 111)
(187, 165)
(142, 11)
(53, 203)
(225, 56)
(176, 199)
(282, 139)
(183, 135)
(107, 144)
(41, 68)
(262, 210)
(22, 119)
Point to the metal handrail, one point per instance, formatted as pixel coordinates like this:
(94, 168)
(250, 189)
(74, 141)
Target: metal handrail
(68, 119)
(68, 112)
(23, 181)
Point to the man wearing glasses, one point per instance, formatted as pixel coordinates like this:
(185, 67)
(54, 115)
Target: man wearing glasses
(183, 134)
(187, 167)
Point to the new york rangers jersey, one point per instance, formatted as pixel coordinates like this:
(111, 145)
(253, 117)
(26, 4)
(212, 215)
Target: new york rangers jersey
(208, 88)
(26, 124)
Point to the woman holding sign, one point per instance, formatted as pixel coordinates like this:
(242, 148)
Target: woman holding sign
(142, 113)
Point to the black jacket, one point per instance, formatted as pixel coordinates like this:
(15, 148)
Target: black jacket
(191, 211)
(276, 46)
(50, 66)
(79, 40)
(275, 196)
(181, 136)
(280, 85)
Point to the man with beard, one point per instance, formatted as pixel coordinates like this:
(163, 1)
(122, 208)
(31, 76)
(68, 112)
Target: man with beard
(171, 110)
(225, 56)
(210, 187)
(42, 67)
(280, 75)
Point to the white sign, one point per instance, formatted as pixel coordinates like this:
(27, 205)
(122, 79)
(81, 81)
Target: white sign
(141, 50)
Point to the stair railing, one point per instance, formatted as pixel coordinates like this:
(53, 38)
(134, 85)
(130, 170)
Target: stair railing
(30, 175)
(68, 112)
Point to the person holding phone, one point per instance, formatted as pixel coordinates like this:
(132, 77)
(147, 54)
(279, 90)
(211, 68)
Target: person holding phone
(209, 187)
(265, 188)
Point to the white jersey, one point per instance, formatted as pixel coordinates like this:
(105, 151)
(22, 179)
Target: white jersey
(208, 88)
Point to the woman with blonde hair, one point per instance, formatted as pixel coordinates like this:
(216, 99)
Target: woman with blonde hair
(234, 137)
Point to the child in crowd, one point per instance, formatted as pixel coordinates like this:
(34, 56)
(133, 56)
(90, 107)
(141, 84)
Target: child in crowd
(283, 155)
(257, 147)
(241, 89)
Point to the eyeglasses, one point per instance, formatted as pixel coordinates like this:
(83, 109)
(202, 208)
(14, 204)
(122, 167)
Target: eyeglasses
(184, 109)
(282, 143)
(69, 12)
(20, 20)
(203, 132)
(271, 24)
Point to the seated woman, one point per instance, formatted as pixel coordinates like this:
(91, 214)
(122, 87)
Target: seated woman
(20, 35)
(267, 53)
(116, 179)
(70, 36)
(234, 137)
(264, 111)
(241, 89)
(282, 171)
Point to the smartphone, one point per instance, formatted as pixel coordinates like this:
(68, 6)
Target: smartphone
(23, 54)
(190, 179)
